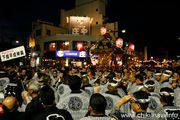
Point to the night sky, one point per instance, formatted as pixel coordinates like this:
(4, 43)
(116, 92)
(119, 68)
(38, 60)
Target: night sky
(147, 22)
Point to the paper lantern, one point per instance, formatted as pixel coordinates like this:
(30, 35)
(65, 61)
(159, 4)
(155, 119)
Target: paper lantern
(103, 31)
(80, 46)
(119, 43)
(131, 47)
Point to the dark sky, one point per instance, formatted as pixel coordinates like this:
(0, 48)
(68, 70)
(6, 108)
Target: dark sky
(147, 22)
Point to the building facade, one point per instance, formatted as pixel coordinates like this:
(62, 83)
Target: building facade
(49, 38)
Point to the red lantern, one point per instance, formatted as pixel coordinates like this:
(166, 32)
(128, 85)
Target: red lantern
(119, 43)
(103, 31)
(131, 47)
(80, 46)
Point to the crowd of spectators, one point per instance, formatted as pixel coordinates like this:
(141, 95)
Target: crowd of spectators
(89, 93)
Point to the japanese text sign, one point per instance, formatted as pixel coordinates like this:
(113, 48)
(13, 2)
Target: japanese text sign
(79, 25)
(80, 54)
(12, 53)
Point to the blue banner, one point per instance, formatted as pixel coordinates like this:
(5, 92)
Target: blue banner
(79, 54)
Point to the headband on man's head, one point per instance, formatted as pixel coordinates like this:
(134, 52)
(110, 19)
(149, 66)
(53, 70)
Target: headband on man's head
(166, 75)
(168, 71)
(141, 100)
(164, 93)
(113, 84)
(148, 86)
(117, 80)
(157, 73)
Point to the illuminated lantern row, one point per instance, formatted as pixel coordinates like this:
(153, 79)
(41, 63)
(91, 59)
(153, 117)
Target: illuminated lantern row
(103, 31)
(80, 46)
(131, 47)
(119, 43)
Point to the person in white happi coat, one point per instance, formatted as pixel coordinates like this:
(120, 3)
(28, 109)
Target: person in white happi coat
(168, 111)
(170, 73)
(77, 102)
(165, 81)
(154, 97)
(86, 86)
(138, 85)
(112, 97)
(177, 95)
(157, 80)
(132, 82)
(97, 108)
(139, 104)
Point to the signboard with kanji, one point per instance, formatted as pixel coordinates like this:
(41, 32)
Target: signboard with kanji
(12, 53)
(79, 54)
(79, 25)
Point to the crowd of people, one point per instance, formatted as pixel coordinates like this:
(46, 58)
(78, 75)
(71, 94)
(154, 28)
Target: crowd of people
(89, 93)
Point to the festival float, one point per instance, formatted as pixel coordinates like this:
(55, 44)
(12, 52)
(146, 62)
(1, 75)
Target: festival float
(106, 52)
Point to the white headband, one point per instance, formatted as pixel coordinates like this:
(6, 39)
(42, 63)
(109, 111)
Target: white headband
(166, 75)
(158, 74)
(164, 93)
(141, 100)
(118, 80)
(147, 86)
(140, 88)
(84, 75)
(113, 84)
(168, 71)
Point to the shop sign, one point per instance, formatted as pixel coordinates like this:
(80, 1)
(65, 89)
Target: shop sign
(78, 54)
(79, 25)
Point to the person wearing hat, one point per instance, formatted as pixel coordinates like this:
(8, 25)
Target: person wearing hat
(168, 111)
(165, 80)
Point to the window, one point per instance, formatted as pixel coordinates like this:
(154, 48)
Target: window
(52, 47)
(63, 45)
(48, 32)
(38, 32)
(96, 9)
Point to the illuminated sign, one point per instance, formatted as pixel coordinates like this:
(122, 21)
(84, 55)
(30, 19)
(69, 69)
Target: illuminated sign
(80, 54)
(79, 25)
